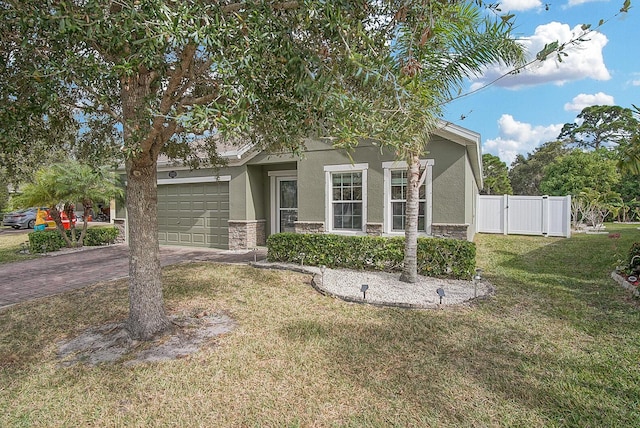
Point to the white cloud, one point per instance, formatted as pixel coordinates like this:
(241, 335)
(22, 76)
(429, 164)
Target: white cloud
(581, 101)
(584, 61)
(519, 138)
(519, 5)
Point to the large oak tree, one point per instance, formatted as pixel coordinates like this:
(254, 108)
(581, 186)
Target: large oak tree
(161, 74)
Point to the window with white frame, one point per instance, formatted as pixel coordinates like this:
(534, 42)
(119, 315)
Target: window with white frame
(346, 190)
(396, 187)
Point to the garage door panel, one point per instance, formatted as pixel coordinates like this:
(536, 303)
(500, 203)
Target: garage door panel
(198, 238)
(220, 206)
(172, 238)
(217, 222)
(171, 190)
(194, 214)
(198, 189)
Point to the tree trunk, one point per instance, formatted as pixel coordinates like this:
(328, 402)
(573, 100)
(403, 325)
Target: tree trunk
(146, 306)
(147, 316)
(55, 215)
(69, 212)
(410, 269)
(87, 205)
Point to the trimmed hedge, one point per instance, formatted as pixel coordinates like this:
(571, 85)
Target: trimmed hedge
(437, 257)
(47, 241)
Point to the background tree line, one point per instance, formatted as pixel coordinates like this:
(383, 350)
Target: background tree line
(595, 157)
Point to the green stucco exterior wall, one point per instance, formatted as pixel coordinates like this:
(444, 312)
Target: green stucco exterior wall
(449, 176)
(253, 178)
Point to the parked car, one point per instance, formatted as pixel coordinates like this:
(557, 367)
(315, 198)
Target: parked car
(21, 219)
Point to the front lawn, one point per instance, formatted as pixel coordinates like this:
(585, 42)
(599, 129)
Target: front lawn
(11, 245)
(558, 345)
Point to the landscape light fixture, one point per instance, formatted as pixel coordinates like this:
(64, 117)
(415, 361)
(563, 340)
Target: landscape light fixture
(322, 269)
(477, 277)
(364, 288)
(440, 292)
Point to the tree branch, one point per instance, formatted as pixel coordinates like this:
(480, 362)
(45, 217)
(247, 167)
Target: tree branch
(170, 95)
(235, 7)
(190, 101)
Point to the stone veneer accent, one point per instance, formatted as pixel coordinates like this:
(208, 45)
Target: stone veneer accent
(374, 229)
(309, 227)
(246, 234)
(443, 230)
(120, 224)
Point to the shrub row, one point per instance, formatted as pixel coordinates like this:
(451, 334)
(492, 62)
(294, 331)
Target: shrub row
(437, 257)
(47, 241)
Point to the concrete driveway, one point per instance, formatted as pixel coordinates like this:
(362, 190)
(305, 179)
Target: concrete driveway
(72, 269)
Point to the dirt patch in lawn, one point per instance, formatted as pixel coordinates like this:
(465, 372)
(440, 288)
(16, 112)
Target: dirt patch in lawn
(111, 343)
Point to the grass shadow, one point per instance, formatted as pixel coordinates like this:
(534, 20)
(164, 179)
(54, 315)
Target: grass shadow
(455, 365)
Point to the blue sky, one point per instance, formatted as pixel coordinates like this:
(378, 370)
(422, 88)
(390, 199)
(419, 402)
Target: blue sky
(521, 112)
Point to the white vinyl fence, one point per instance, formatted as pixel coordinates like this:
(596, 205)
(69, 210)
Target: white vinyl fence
(525, 215)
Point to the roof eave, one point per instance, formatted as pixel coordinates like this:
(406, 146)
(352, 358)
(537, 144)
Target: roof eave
(472, 142)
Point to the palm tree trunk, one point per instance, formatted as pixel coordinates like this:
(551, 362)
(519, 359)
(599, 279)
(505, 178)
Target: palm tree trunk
(410, 269)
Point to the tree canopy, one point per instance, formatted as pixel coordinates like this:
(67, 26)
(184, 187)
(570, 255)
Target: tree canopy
(600, 126)
(496, 179)
(526, 173)
(629, 155)
(579, 172)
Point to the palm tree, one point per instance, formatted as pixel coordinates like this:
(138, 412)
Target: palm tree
(60, 186)
(630, 155)
(448, 43)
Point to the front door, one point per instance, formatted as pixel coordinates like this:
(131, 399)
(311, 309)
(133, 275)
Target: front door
(287, 204)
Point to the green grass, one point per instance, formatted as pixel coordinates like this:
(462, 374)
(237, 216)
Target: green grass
(558, 345)
(10, 247)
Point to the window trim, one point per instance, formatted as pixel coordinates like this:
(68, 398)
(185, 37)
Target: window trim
(428, 182)
(328, 199)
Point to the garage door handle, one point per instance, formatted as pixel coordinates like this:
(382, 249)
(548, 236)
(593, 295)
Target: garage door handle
(178, 222)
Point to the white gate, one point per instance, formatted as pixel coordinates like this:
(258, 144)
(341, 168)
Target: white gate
(525, 215)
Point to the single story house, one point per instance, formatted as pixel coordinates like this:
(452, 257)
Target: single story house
(323, 191)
